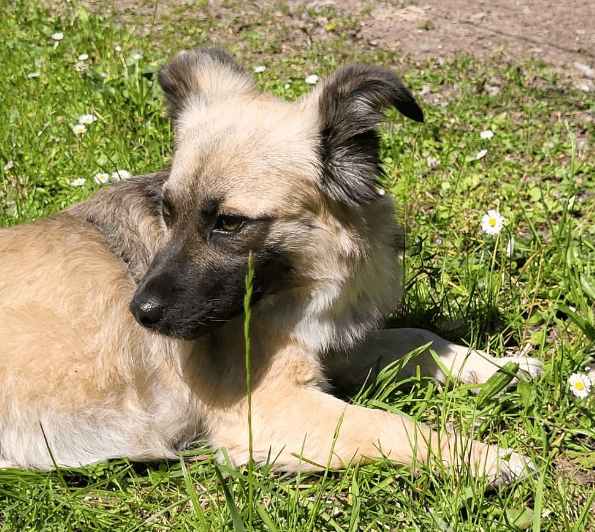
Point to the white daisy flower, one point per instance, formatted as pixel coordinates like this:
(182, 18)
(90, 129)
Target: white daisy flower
(260, 68)
(118, 175)
(137, 57)
(580, 385)
(101, 178)
(312, 79)
(83, 57)
(8, 165)
(487, 134)
(481, 154)
(117, 48)
(87, 119)
(58, 36)
(492, 222)
(79, 65)
(79, 129)
(33, 75)
(79, 182)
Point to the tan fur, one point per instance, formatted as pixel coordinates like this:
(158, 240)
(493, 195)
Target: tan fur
(78, 370)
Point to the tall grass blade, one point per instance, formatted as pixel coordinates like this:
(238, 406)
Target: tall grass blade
(247, 314)
(236, 518)
(194, 497)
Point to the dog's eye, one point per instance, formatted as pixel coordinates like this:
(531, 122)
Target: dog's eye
(166, 212)
(229, 224)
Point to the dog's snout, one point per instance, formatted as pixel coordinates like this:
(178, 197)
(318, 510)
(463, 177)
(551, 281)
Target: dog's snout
(147, 310)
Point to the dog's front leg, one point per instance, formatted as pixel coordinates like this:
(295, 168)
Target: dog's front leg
(348, 372)
(301, 427)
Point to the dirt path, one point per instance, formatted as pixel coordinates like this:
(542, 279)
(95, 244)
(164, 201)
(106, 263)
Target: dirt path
(560, 33)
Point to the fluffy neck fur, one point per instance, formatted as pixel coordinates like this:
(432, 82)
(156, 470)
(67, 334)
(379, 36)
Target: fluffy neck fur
(351, 289)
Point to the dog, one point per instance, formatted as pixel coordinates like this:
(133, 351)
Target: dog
(122, 317)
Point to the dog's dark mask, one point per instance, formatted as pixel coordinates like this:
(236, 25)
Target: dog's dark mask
(181, 299)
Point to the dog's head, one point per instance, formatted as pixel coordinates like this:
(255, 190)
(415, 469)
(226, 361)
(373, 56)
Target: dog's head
(295, 183)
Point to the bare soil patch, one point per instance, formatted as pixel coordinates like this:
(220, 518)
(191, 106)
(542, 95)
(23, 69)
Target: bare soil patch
(557, 32)
(560, 33)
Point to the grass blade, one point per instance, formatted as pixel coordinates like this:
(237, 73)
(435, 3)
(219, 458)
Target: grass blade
(236, 518)
(247, 313)
(194, 497)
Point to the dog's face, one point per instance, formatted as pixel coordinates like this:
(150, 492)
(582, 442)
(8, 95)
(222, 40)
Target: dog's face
(293, 183)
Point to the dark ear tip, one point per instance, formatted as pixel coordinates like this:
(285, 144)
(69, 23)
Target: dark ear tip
(414, 112)
(382, 82)
(406, 103)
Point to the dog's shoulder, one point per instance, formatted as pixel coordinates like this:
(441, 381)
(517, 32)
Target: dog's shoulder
(127, 214)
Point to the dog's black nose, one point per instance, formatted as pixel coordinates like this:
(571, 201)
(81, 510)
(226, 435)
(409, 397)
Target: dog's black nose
(148, 311)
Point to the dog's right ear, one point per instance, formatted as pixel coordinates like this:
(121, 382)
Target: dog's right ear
(198, 76)
(349, 107)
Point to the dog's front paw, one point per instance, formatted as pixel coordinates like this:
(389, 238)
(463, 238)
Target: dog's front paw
(485, 366)
(504, 466)
(496, 466)
(529, 368)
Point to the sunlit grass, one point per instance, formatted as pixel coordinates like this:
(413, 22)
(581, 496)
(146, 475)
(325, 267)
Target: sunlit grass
(538, 171)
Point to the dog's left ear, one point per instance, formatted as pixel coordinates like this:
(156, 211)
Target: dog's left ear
(350, 107)
(199, 76)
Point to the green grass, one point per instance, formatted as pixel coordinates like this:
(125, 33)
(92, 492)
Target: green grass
(461, 282)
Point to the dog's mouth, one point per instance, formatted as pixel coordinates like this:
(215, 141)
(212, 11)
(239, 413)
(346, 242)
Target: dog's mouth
(159, 317)
(182, 332)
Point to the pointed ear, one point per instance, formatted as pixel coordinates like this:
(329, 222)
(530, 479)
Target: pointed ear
(198, 76)
(350, 107)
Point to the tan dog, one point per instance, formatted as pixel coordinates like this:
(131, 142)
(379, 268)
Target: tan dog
(121, 326)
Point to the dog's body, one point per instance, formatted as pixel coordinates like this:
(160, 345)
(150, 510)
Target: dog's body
(121, 326)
